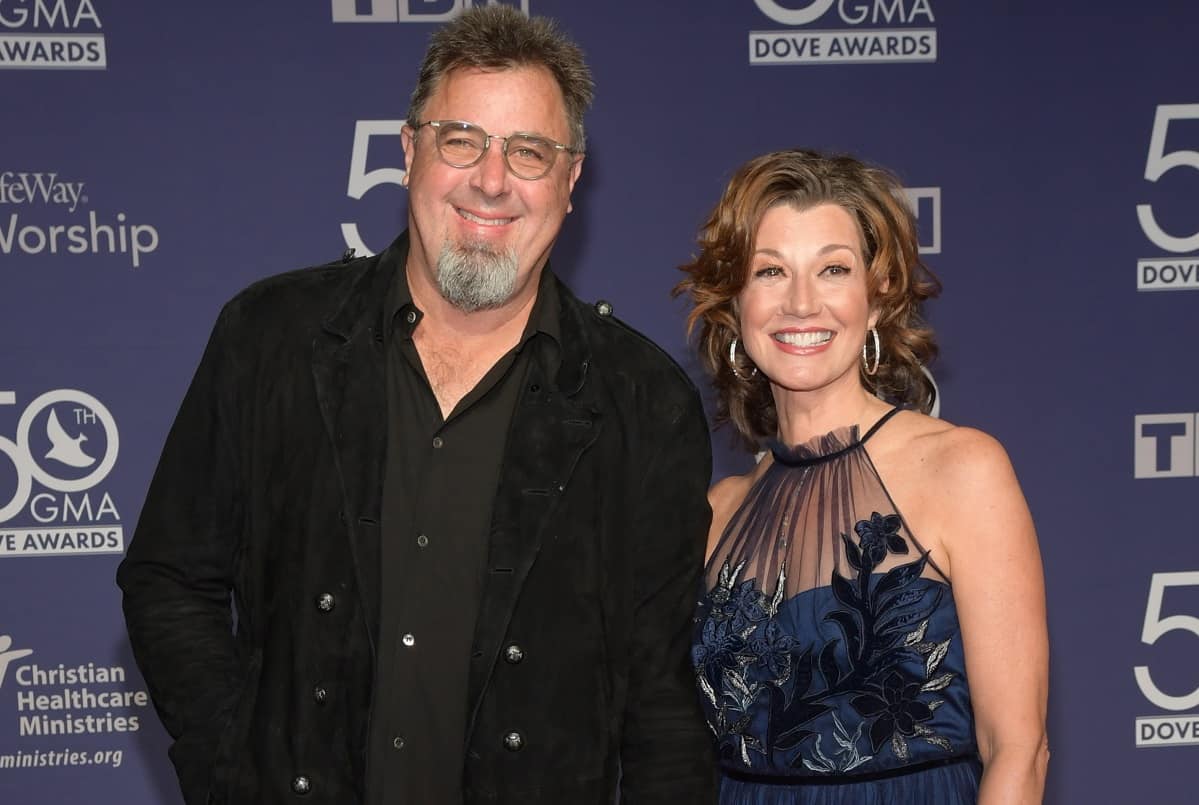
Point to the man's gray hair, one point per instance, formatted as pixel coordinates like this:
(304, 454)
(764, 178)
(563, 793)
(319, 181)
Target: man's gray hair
(501, 37)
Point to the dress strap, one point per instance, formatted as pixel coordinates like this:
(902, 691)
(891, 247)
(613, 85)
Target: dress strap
(882, 421)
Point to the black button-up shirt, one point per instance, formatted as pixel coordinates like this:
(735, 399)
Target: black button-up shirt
(440, 482)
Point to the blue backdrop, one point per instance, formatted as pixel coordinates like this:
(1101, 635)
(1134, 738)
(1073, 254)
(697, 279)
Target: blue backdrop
(157, 157)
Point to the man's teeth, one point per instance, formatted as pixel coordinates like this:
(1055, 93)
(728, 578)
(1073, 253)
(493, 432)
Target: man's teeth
(484, 221)
(806, 339)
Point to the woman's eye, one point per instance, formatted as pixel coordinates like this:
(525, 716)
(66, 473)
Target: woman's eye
(836, 269)
(768, 271)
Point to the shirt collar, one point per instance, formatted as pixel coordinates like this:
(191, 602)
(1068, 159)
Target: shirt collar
(404, 316)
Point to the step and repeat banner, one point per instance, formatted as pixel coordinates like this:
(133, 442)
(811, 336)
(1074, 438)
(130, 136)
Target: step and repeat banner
(157, 157)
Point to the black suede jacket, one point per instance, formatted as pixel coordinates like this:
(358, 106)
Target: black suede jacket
(269, 490)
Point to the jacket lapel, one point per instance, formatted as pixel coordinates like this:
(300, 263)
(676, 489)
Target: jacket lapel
(551, 428)
(348, 371)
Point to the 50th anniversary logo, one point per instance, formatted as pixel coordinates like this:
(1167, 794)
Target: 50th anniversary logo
(52, 496)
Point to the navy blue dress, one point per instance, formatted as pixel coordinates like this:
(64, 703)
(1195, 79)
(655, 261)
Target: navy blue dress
(827, 650)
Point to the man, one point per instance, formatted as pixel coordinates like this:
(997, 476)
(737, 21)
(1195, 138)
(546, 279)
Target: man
(460, 514)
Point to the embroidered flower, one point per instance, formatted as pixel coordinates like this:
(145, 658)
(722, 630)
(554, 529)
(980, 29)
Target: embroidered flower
(720, 646)
(742, 606)
(878, 535)
(772, 651)
(895, 708)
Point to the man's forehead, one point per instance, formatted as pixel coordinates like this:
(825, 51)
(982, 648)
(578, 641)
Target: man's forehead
(529, 90)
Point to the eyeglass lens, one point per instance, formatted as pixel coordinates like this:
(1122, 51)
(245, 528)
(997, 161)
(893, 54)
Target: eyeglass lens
(462, 145)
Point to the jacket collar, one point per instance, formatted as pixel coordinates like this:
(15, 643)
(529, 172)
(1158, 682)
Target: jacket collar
(362, 306)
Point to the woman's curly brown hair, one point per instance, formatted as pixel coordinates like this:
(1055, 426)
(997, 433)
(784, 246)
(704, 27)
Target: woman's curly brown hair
(897, 282)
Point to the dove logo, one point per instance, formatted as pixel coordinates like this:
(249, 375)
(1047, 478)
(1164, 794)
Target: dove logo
(66, 445)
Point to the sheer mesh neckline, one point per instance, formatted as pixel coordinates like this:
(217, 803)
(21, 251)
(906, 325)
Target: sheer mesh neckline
(823, 448)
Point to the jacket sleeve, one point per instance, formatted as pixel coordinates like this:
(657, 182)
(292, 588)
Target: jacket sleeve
(177, 575)
(667, 754)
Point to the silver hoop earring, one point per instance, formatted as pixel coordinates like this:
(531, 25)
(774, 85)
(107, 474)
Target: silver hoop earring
(733, 363)
(878, 354)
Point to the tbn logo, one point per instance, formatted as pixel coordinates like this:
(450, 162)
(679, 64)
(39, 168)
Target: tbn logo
(1164, 446)
(410, 10)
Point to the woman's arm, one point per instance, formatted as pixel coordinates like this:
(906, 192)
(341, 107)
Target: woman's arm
(999, 589)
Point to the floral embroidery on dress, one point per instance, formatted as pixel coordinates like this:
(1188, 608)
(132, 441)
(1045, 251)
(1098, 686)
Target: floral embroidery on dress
(745, 662)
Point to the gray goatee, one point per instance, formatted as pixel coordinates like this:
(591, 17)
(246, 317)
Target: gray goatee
(472, 276)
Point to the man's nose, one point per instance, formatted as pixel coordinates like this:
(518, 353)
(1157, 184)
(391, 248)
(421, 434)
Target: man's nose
(491, 173)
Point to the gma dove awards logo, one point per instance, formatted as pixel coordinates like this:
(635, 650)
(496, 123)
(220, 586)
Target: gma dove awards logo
(51, 35)
(845, 32)
(52, 498)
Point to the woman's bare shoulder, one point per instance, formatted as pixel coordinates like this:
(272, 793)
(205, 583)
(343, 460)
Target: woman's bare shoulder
(728, 493)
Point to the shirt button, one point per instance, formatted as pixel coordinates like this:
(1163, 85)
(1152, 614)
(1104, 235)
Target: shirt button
(320, 694)
(397, 742)
(408, 640)
(514, 741)
(411, 317)
(438, 441)
(325, 602)
(514, 654)
(301, 785)
(422, 541)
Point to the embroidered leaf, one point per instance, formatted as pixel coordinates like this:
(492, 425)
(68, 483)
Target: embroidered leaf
(858, 761)
(840, 734)
(828, 664)
(902, 598)
(899, 746)
(849, 623)
(901, 576)
(934, 704)
(934, 659)
(940, 683)
(706, 687)
(893, 618)
(792, 738)
(880, 731)
(844, 591)
(933, 738)
(852, 553)
(939, 741)
(803, 673)
(778, 590)
(913, 638)
(829, 765)
(737, 681)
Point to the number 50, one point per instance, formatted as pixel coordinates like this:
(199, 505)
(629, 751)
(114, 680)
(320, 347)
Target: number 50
(1157, 164)
(1156, 626)
(362, 180)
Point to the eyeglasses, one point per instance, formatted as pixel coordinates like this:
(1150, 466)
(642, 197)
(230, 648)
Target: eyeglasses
(463, 144)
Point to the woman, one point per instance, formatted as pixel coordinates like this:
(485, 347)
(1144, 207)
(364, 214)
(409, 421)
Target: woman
(874, 623)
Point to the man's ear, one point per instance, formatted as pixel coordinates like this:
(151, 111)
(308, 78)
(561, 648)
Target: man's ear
(408, 139)
(576, 168)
